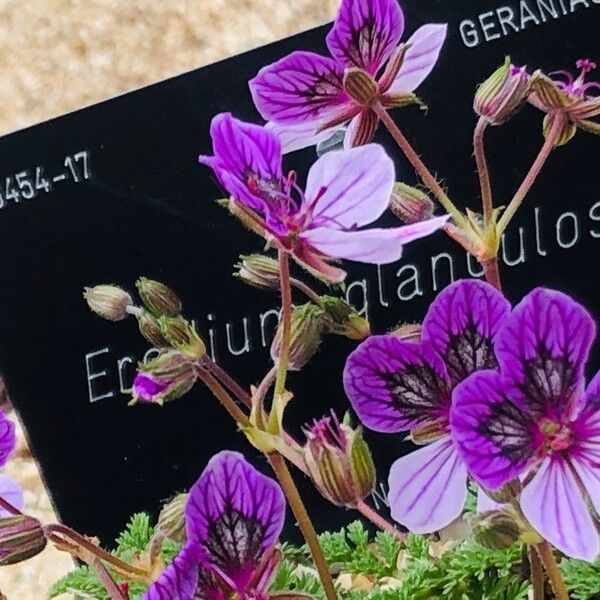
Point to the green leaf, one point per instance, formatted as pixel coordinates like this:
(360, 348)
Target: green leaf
(136, 537)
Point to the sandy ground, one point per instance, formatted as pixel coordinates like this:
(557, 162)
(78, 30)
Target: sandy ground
(59, 55)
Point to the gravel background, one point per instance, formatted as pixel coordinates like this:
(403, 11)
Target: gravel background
(59, 55)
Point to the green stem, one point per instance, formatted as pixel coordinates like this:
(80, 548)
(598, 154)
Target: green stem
(304, 523)
(551, 567)
(286, 322)
(533, 173)
(537, 575)
(414, 159)
(483, 170)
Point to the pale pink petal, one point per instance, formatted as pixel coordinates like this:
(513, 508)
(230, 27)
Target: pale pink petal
(365, 33)
(349, 135)
(297, 137)
(428, 487)
(371, 246)
(485, 503)
(12, 492)
(301, 87)
(349, 188)
(554, 505)
(423, 52)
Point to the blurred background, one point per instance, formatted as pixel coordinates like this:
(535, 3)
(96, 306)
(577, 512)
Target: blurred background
(60, 55)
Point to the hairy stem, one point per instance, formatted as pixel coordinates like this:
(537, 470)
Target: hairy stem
(286, 322)
(120, 566)
(304, 523)
(221, 394)
(537, 575)
(483, 170)
(532, 175)
(228, 381)
(107, 581)
(428, 178)
(306, 290)
(544, 551)
(491, 271)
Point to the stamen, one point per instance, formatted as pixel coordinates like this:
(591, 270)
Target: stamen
(585, 65)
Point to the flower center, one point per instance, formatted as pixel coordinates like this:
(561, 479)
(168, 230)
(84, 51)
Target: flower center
(577, 86)
(556, 436)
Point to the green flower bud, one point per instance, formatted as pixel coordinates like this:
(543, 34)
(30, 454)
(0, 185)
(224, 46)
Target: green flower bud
(339, 461)
(344, 319)
(150, 329)
(410, 204)
(259, 271)
(182, 336)
(308, 325)
(507, 493)
(158, 298)
(496, 529)
(502, 94)
(171, 520)
(21, 538)
(167, 377)
(108, 301)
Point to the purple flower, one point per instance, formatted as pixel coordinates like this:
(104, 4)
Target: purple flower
(344, 191)
(535, 420)
(148, 388)
(9, 490)
(307, 97)
(234, 516)
(395, 386)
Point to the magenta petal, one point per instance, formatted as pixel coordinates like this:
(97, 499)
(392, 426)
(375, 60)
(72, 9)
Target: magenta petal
(299, 136)
(494, 435)
(424, 48)
(12, 492)
(428, 488)
(553, 504)
(365, 33)
(235, 514)
(462, 323)
(179, 581)
(395, 385)
(349, 188)
(372, 246)
(243, 151)
(301, 87)
(7, 438)
(543, 349)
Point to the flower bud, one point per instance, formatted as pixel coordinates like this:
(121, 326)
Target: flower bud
(182, 336)
(158, 298)
(360, 86)
(496, 529)
(344, 318)
(409, 332)
(171, 520)
(502, 94)
(339, 461)
(164, 378)
(108, 301)
(150, 329)
(507, 493)
(21, 538)
(429, 432)
(410, 204)
(259, 271)
(308, 324)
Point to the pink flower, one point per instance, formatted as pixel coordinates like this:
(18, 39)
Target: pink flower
(344, 191)
(307, 97)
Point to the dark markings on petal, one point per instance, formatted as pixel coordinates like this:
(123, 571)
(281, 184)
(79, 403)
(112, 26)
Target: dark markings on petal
(468, 352)
(510, 430)
(418, 392)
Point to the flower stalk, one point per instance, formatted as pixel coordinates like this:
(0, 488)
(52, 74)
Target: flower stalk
(537, 574)
(286, 322)
(555, 577)
(483, 170)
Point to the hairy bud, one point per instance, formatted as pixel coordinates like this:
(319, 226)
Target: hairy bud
(309, 322)
(339, 461)
(164, 378)
(182, 336)
(150, 329)
(502, 94)
(259, 271)
(171, 520)
(21, 538)
(507, 493)
(410, 204)
(344, 318)
(158, 298)
(108, 301)
(496, 529)
(360, 86)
